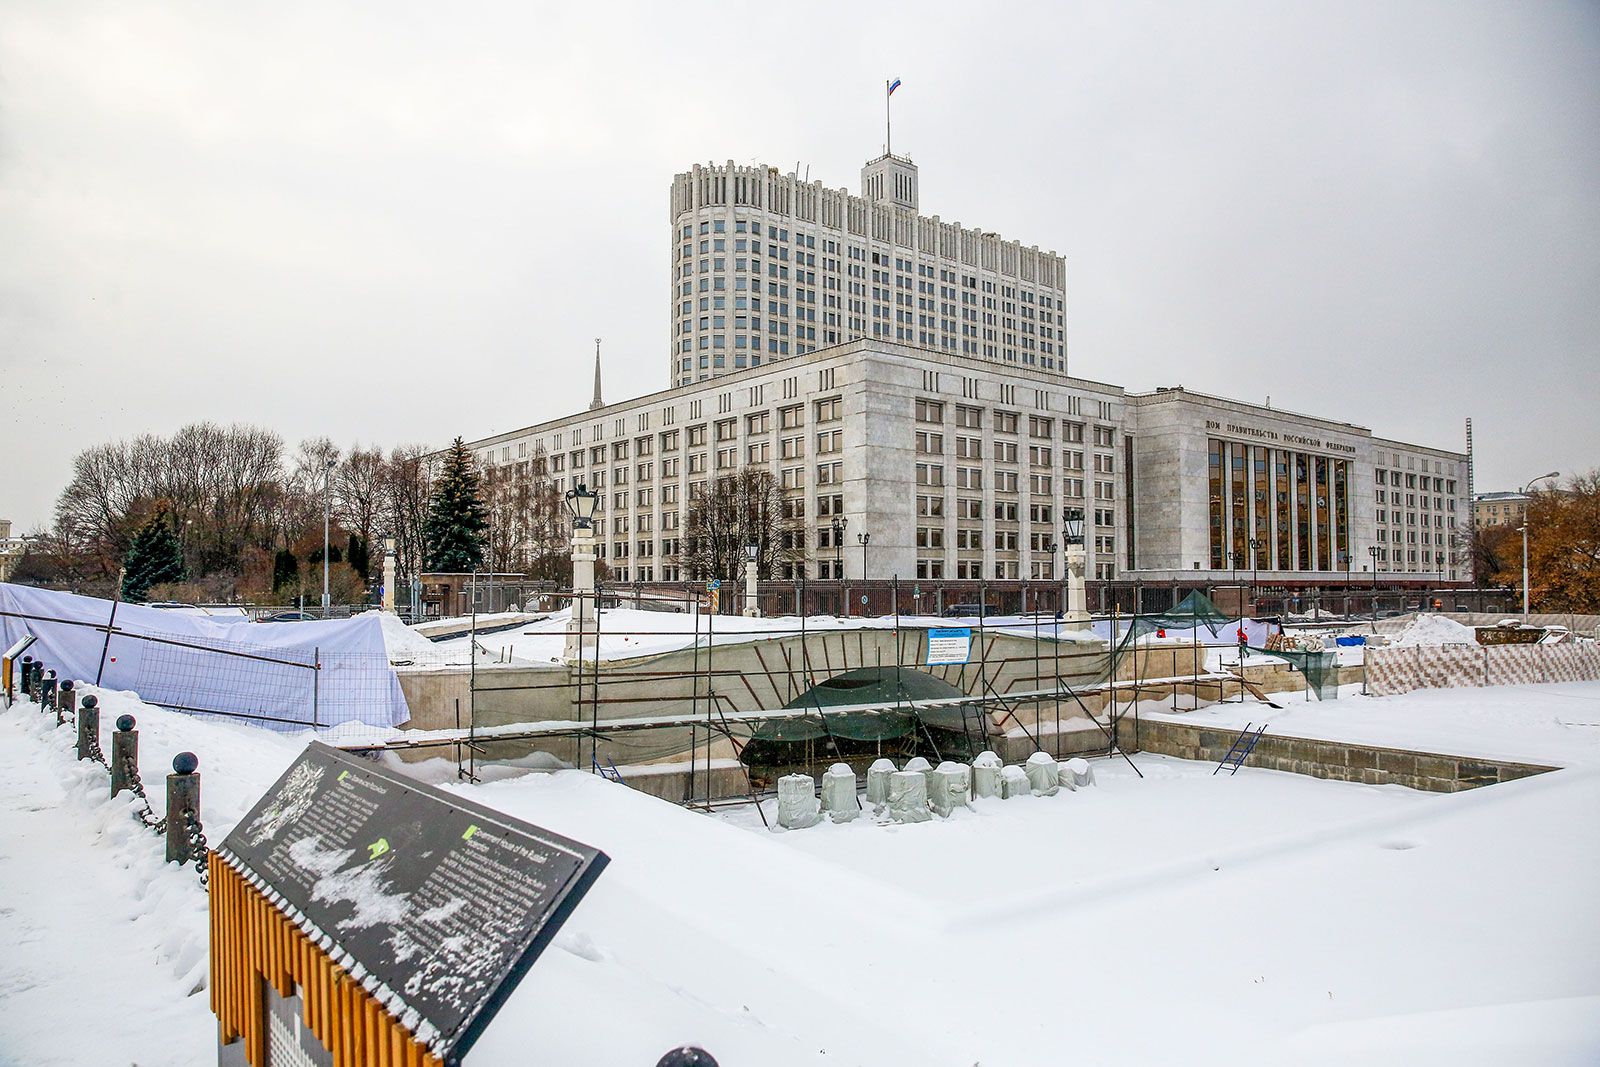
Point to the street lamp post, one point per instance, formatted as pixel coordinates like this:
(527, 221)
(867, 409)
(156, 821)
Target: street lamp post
(1372, 550)
(581, 505)
(1074, 557)
(863, 539)
(1345, 557)
(752, 555)
(1255, 561)
(839, 525)
(327, 477)
(1524, 494)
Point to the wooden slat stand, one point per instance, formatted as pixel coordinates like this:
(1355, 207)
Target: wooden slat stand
(254, 945)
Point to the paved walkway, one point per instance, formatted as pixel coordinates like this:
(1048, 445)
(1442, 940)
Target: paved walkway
(101, 943)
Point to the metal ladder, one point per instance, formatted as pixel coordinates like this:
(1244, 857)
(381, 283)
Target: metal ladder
(1241, 749)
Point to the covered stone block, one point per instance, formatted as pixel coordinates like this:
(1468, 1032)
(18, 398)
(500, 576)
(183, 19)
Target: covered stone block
(952, 786)
(908, 797)
(878, 781)
(986, 775)
(797, 802)
(839, 793)
(1041, 771)
(1014, 783)
(1082, 773)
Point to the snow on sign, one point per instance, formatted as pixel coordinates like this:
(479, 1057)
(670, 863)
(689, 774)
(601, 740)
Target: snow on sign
(949, 646)
(438, 906)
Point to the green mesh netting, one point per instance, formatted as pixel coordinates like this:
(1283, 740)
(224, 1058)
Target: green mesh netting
(1194, 612)
(907, 728)
(1321, 669)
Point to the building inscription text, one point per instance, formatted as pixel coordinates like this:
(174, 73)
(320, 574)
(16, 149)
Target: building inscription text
(1284, 438)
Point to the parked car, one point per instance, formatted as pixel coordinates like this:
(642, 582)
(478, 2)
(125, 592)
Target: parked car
(289, 616)
(966, 611)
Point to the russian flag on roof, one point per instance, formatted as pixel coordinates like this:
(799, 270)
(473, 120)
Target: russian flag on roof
(893, 86)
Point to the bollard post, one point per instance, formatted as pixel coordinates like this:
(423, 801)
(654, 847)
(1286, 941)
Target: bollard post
(183, 794)
(65, 695)
(124, 752)
(25, 678)
(47, 691)
(687, 1056)
(89, 727)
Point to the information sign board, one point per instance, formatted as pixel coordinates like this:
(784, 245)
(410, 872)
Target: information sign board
(438, 905)
(950, 645)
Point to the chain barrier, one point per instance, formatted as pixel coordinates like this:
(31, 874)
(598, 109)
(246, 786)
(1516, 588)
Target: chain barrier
(130, 771)
(198, 849)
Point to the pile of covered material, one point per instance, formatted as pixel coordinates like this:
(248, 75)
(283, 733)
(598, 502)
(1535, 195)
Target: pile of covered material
(921, 791)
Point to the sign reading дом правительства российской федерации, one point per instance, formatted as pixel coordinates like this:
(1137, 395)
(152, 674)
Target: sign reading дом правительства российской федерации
(437, 905)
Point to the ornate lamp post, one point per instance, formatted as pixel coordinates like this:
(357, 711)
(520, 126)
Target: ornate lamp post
(388, 574)
(839, 525)
(752, 556)
(1542, 477)
(863, 539)
(1075, 558)
(581, 505)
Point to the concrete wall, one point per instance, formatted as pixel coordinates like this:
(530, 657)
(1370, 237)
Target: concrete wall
(1432, 771)
(749, 675)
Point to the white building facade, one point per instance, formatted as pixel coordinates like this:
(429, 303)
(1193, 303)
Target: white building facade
(960, 470)
(906, 378)
(1224, 486)
(768, 266)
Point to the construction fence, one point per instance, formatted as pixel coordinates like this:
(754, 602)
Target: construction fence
(1391, 671)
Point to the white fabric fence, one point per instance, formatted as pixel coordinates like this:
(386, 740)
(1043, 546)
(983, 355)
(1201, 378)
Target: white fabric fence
(283, 675)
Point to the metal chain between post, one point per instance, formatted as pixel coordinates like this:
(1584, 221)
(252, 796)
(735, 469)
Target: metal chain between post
(148, 815)
(198, 849)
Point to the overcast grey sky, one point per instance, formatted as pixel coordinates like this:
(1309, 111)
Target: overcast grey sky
(404, 221)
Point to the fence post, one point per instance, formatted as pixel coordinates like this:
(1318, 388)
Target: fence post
(64, 701)
(183, 795)
(47, 691)
(27, 677)
(124, 753)
(88, 727)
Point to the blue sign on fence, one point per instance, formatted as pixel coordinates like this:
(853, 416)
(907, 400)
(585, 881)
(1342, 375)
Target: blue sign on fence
(949, 646)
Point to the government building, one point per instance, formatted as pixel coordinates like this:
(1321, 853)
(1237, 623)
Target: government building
(906, 378)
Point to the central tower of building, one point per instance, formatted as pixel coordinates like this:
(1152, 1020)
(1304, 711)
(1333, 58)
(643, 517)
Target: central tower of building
(767, 266)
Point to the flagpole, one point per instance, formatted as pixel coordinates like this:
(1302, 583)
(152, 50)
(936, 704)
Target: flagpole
(888, 129)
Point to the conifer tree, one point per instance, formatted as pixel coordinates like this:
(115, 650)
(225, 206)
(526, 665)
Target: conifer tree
(358, 555)
(285, 569)
(154, 557)
(454, 530)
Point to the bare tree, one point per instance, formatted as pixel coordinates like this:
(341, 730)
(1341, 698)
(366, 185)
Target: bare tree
(406, 482)
(737, 510)
(358, 492)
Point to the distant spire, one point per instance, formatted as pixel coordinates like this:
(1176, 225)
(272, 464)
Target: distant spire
(596, 402)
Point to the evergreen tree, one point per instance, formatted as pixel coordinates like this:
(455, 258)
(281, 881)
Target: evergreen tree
(454, 528)
(359, 554)
(285, 569)
(154, 557)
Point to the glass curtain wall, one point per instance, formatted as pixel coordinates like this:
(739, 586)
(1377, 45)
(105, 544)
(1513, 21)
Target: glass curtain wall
(1295, 505)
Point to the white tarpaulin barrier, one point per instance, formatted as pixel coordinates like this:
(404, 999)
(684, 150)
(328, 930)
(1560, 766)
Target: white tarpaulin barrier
(267, 673)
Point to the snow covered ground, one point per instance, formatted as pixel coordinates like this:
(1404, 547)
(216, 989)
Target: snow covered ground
(1261, 918)
(1556, 724)
(631, 632)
